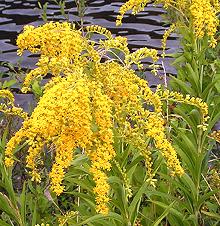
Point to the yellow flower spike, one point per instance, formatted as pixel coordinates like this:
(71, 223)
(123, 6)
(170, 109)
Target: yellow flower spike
(100, 30)
(216, 135)
(68, 215)
(101, 190)
(204, 19)
(35, 176)
(117, 43)
(12, 143)
(140, 54)
(216, 5)
(165, 36)
(148, 124)
(7, 94)
(12, 110)
(134, 5)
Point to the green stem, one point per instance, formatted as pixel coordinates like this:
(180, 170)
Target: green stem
(199, 160)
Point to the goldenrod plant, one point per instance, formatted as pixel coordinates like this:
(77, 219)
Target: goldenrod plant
(96, 107)
(101, 147)
(83, 103)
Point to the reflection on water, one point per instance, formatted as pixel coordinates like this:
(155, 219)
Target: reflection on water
(142, 30)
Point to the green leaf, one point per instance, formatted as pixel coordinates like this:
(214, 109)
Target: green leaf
(7, 207)
(79, 159)
(206, 196)
(183, 85)
(3, 223)
(134, 206)
(23, 203)
(183, 190)
(187, 119)
(34, 215)
(90, 200)
(8, 186)
(211, 214)
(187, 181)
(3, 140)
(125, 155)
(163, 215)
(209, 88)
(8, 84)
(193, 77)
(171, 209)
(85, 184)
(178, 58)
(133, 164)
(37, 89)
(120, 199)
(97, 217)
(164, 195)
(184, 155)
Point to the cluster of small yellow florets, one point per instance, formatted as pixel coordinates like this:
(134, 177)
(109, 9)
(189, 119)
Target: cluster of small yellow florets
(59, 45)
(7, 105)
(165, 37)
(216, 135)
(204, 19)
(82, 105)
(66, 217)
(201, 14)
(134, 5)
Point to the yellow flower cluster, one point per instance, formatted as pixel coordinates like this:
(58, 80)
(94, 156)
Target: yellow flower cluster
(216, 135)
(165, 36)
(134, 5)
(9, 107)
(117, 43)
(59, 44)
(101, 151)
(100, 30)
(215, 179)
(204, 19)
(83, 103)
(215, 4)
(135, 123)
(140, 54)
(200, 14)
(64, 219)
(7, 94)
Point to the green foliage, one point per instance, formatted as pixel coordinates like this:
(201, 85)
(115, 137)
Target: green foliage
(198, 71)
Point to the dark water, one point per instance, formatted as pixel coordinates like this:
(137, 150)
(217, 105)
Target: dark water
(142, 30)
